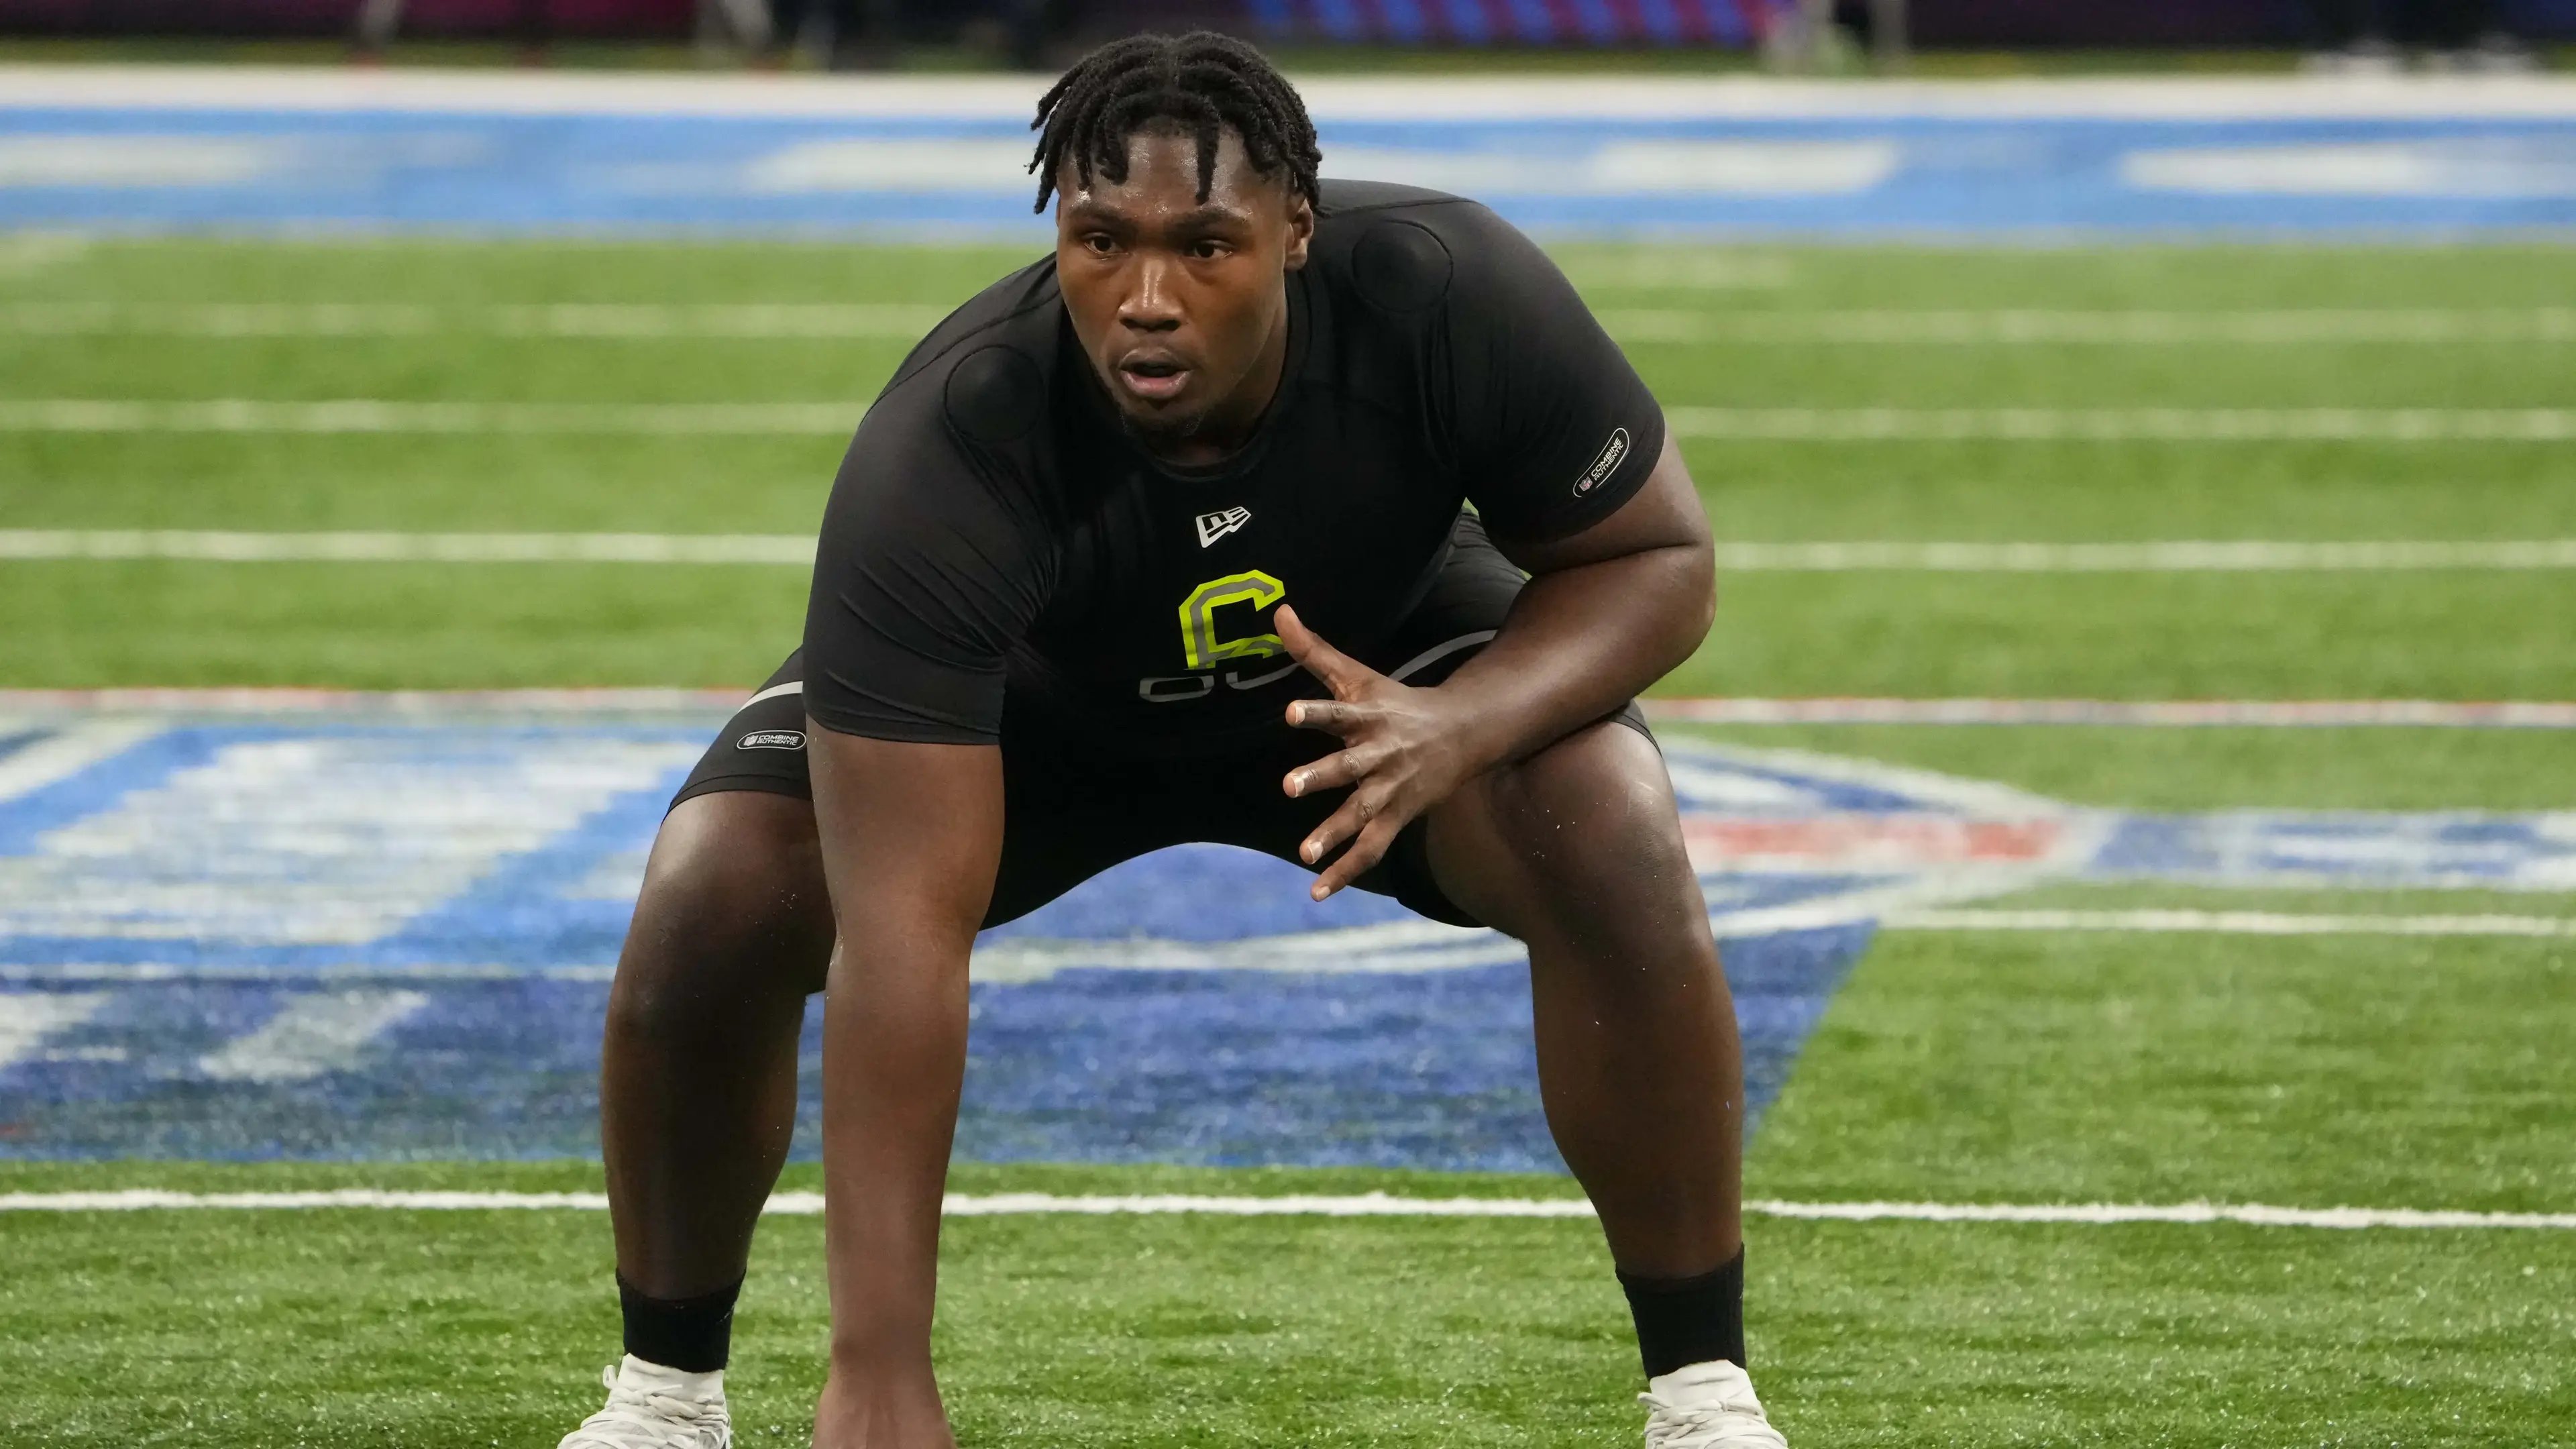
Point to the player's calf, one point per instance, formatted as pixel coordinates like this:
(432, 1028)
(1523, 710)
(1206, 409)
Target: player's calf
(1577, 851)
(698, 1096)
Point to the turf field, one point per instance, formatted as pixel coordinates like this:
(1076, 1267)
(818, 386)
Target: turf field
(1955, 1066)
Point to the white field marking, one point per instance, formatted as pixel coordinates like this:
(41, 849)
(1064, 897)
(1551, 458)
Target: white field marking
(312, 840)
(2175, 556)
(2232, 923)
(2188, 713)
(28, 1017)
(894, 321)
(1366, 1205)
(51, 159)
(314, 1034)
(231, 547)
(1627, 167)
(836, 419)
(23, 253)
(66, 753)
(797, 550)
(2253, 1214)
(127, 973)
(2163, 425)
(1914, 907)
(1675, 268)
(1396, 946)
(2191, 713)
(2492, 169)
(42, 704)
(890, 163)
(2013, 327)
(368, 415)
(305, 89)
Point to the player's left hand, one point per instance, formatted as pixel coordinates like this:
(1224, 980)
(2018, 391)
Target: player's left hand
(1403, 751)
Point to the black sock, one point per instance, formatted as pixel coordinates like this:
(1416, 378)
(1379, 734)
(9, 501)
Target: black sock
(693, 1335)
(1689, 1320)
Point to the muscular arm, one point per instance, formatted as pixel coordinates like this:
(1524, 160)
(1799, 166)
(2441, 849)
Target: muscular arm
(1607, 612)
(911, 835)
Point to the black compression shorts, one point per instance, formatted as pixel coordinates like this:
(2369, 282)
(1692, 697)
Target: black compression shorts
(1074, 806)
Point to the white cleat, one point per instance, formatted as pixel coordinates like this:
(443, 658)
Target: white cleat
(652, 1407)
(1706, 1406)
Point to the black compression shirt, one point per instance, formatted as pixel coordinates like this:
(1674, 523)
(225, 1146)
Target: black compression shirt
(994, 526)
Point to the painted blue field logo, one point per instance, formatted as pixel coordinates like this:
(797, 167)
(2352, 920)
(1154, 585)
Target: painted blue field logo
(361, 938)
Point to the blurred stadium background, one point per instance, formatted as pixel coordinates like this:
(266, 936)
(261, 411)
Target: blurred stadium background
(2135, 766)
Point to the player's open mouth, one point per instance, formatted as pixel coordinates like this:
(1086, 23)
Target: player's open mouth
(1157, 378)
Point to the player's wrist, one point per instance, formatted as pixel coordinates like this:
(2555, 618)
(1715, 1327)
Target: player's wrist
(1483, 726)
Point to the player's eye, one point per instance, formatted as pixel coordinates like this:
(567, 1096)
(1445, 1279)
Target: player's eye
(1205, 249)
(1100, 243)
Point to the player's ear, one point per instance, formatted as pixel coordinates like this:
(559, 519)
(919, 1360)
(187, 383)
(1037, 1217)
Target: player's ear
(1301, 229)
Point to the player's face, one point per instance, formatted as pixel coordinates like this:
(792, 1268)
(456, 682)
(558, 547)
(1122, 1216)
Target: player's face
(1181, 304)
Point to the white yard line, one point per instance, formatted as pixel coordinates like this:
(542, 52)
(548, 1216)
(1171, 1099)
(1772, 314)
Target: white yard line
(1749, 710)
(429, 703)
(1007, 100)
(837, 419)
(369, 415)
(902, 322)
(2024, 328)
(907, 322)
(2174, 556)
(219, 546)
(24, 253)
(797, 550)
(2234, 923)
(807, 1204)
(2163, 425)
(2151, 713)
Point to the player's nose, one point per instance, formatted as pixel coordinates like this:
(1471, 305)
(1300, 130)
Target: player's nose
(1152, 304)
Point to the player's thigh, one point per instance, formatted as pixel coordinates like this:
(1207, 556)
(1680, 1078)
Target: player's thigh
(734, 890)
(733, 893)
(1580, 842)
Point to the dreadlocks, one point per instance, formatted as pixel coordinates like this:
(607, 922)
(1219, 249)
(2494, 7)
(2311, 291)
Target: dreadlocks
(1201, 81)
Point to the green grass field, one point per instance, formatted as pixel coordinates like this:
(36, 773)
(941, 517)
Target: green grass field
(1954, 1067)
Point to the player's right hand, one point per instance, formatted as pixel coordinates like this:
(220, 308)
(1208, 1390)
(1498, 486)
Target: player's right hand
(1403, 751)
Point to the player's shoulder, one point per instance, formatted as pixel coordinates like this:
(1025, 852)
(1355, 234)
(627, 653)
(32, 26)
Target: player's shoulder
(983, 374)
(1407, 250)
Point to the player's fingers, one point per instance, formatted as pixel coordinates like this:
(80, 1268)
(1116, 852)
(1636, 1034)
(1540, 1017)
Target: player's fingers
(1341, 825)
(1366, 851)
(1333, 771)
(1339, 671)
(1338, 716)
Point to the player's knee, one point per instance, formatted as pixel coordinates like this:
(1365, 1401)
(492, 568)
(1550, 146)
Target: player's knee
(733, 909)
(1591, 825)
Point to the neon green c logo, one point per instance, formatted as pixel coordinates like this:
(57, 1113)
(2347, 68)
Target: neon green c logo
(1199, 643)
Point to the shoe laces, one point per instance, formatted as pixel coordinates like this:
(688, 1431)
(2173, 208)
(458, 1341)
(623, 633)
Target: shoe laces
(638, 1418)
(1710, 1424)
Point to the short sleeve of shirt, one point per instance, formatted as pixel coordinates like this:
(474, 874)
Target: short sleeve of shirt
(1555, 430)
(927, 572)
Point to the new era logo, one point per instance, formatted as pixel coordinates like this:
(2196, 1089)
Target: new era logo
(1213, 526)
